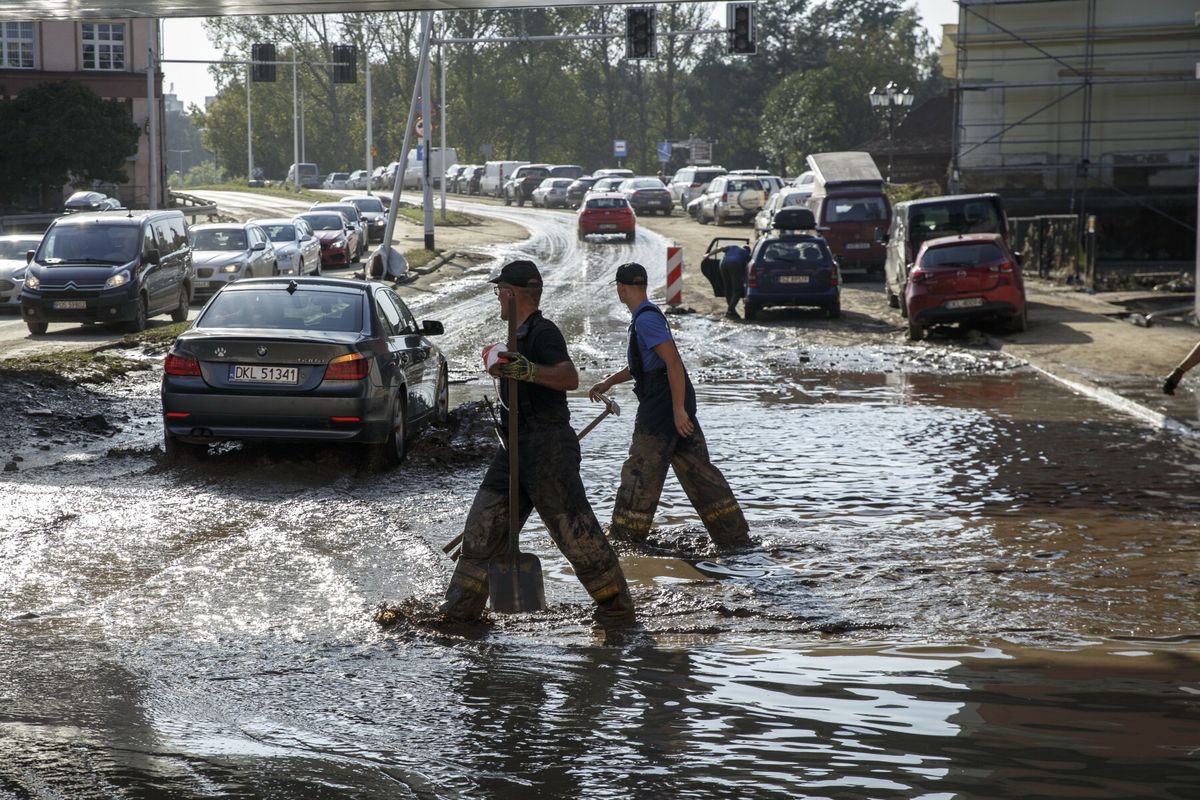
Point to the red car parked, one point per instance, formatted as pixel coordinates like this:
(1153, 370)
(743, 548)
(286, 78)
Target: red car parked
(967, 277)
(607, 213)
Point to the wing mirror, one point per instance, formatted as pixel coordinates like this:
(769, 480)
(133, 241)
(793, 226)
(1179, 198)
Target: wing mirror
(29, 256)
(432, 327)
(259, 246)
(151, 256)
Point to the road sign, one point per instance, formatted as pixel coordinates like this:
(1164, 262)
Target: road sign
(619, 148)
(701, 152)
(418, 127)
(664, 152)
(419, 152)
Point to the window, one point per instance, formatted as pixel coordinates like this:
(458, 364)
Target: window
(963, 255)
(410, 322)
(16, 45)
(103, 46)
(388, 314)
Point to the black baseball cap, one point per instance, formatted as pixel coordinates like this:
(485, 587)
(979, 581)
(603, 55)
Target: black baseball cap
(632, 274)
(521, 273)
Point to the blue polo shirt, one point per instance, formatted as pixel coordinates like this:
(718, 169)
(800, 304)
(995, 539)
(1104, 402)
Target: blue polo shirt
(652, 330)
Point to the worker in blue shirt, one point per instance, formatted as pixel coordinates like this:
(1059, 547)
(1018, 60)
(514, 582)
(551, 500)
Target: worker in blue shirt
(733, 276)
(666, 432)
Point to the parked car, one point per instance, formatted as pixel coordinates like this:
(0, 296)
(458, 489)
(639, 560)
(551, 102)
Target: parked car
(849, 202)
(439, 161)
(604, 186)
(524, 179)
(90, 201)
(388, 179)
(613, 172)
(373, 214)
(452, 173)
(691, 182)
(358, 179)
(338, 238)
(607, 213)
(378, 178)
(805, 180)
(730, 197)
(123, 267)
(304, 359)
(335, 180)
(646, 195)
(352, 215)
(551, 193)
(224, 252)
(495, 175)
(792, 269)
(916, 221)
(469, 181)
(578, 188)
(14, 258)
(571, 171)
(297, 249)
(786, 198)
(969, 277)
(310, 178)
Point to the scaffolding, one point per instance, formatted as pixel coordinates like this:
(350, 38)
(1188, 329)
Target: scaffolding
(1029, 74)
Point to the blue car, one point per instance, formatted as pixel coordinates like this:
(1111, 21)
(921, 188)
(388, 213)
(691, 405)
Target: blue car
(792, 269)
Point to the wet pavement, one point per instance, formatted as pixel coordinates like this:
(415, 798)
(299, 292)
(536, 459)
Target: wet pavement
(966, 582)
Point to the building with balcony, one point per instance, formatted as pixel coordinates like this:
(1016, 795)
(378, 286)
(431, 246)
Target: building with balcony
(109, 57)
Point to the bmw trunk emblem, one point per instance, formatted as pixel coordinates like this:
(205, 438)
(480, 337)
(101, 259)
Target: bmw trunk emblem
(262, 351)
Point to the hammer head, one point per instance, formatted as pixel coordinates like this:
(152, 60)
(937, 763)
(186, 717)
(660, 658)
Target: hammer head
(611, 405)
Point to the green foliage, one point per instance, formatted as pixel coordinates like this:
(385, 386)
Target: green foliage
(62, 132)
(203, 174)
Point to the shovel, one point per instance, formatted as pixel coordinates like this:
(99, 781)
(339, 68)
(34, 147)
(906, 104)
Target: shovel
(610, 407)
(515, 578)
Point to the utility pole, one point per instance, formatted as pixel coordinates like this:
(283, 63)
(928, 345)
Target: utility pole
(152, 113)
(370, 156)
(442, 120)
(427, 117)
(295, 120)
(249, 133)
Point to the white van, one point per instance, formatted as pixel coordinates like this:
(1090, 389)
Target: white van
(309, 177)
(440, 161)
(495, 173)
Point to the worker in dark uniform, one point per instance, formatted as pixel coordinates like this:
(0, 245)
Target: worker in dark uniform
(548, 470)
(733, 276)
(665, 431)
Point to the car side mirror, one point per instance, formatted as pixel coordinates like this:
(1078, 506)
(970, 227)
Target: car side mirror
(1016, 257)
(151, 256)
(29, 256)
(880, 236)
(432, 327)
(259, 246)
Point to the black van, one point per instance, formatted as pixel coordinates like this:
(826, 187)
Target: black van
(110, 267)
(917, 221)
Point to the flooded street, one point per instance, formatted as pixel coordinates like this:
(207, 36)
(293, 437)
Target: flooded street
(967, 583)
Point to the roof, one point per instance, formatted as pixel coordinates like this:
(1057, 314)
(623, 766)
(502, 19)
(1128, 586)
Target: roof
(943, 198)
(961, 238)
(852, 166)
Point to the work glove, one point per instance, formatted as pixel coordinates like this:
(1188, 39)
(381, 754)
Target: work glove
(1172, 380)
(517, 367)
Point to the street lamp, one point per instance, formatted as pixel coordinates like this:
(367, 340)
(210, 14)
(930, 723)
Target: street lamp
(181, 153)
(893, 103)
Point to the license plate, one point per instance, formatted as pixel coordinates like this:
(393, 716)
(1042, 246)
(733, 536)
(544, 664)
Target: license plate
(70, 305)
(607, 226)
(858, 245)
(202, 284)
(793, 279)
(966, 302)
(257, 373)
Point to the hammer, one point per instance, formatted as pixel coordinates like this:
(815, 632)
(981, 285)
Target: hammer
(610, 407)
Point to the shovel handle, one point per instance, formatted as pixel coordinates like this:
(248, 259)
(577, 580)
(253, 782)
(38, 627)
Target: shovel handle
(514, 484)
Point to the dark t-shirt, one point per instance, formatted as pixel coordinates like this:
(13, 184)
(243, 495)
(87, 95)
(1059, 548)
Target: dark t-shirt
(539, 340)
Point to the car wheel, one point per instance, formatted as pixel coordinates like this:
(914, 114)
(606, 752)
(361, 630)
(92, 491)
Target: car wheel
(442, 405)
(892, 300)
(1019, 323)
(181, 311)
(138, 323)
(507, 199)
(178, 451)
(317, 269)
(703, 220)
(915, 330)
(903, 306)
(579, 234)
(392, 451)
(834, 309)
(750, 311)
(37, 328)
(629, 237)
(718, 220)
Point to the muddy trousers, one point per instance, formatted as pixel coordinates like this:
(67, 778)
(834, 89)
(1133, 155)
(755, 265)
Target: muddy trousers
(642, 480)
(549, 483)
(733, 277)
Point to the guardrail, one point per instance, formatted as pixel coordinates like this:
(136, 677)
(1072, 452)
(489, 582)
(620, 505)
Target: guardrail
(193, 206)
(26, 223)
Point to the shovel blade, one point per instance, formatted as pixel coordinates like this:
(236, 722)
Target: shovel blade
(515, 587)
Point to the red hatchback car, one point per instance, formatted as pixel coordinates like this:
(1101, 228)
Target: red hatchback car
(607, 213)
(968, 277)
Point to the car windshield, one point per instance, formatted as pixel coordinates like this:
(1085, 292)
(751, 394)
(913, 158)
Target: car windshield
(706, 176)
(100, 242)
(932, 220)
(607, 184)
(368, 204)
(219, 239)
(856, 209)
(783, 252)
(962, 255)
(607, 202)
(339, 312)
(17, 248)
(281, 233)
(325, 222)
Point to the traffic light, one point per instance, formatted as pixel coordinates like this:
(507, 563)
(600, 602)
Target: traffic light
(262, 73)
(640, 41)
(740, 21)
(345, 63)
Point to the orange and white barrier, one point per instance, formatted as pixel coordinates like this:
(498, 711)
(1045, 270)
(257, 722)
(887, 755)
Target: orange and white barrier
(674, 276)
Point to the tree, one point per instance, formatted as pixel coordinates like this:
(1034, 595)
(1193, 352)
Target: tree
(44, 148)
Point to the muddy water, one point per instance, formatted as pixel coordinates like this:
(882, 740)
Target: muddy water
(967, 583)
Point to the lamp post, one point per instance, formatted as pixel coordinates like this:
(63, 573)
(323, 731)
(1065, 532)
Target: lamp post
(892, 103)
(181, 154)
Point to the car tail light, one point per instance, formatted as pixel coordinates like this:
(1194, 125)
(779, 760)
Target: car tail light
(184, 366)
(917, 275)
(350, 367)
(835, 275)
(1003, 266)
(751, 280)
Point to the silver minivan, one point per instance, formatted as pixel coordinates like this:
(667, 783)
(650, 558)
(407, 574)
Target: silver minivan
(691, 182)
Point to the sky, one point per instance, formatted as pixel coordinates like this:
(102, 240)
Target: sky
(186, 39)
